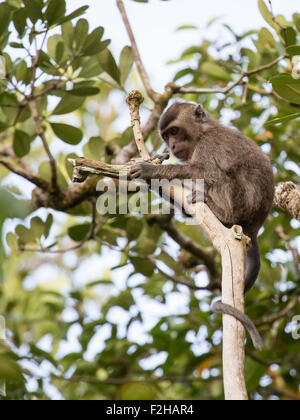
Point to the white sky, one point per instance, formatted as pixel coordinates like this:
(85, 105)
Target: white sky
(155, 24)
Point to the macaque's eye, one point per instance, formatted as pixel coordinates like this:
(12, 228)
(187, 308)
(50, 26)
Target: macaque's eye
(173, 131)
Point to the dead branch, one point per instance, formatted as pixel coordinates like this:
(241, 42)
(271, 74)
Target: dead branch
(137, 58)
(238, 82)
(41, 133)
(287, 197)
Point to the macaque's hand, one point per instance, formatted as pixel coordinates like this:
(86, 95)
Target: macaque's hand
(162, 157)
(142, 170)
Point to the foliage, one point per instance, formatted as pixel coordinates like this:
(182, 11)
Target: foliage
(111, 330)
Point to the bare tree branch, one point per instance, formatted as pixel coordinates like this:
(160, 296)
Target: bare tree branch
(122, 381)
(269, 320)
(40, 132)
(287, 197)
(138, 61)
(27, 174)
(292, 249)
(238, 82)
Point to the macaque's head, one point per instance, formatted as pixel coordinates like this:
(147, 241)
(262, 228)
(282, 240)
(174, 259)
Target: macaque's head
(180, 126)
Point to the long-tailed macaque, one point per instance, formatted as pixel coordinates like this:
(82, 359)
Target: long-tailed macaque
(238, 177)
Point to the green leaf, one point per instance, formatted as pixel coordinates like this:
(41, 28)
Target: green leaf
(37, 227)
(74, 14)
(138, 391)
(254, 372)
(95, 148)
(52, 44)
(16, 45)
(12, 241)
(67, 32)
(67, 133)
(45, 173)
(81, 32)
(34, 9)
(287, 87)
(60, 55)
(22, 73)
(94, 36)
(55, 10)
(69, 103)
(19, 20)
(9, 114)
(85, 91)
(5, 17)
(90, 67)
(25, 235)
(216, 71)
(125, 64)
(46, 65)
(267, 15)
(79, 232)
(108, 63)
(21, 143)
(143, 266)
(284, 119)
(266, 39)
(13, 207)
(183, 27)
(145, 246)
(48, 225)
(291, 36)
(134, 228)
(92, 44)
(293, 50)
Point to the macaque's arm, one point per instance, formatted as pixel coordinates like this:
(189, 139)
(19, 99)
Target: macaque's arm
(148, 171)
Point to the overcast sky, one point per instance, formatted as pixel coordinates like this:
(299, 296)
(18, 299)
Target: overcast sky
(155, 25)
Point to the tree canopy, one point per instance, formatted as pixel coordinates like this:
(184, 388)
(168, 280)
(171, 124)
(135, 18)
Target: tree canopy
(118, 305)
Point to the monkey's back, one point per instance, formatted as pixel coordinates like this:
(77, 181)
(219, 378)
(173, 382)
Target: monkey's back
(245, 179)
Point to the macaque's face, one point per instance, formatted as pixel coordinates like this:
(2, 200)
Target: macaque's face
(179, 128)
(178, 142)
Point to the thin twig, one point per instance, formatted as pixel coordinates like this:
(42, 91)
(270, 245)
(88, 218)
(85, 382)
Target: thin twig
(94, 229)
(276, 317)
(176, 279)
(231, 86)
(122, 381)
(41, 133)
(27, 174)
(293, 250)
(245, 93)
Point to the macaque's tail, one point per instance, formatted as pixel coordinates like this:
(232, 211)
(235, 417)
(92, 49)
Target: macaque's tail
(253, 264)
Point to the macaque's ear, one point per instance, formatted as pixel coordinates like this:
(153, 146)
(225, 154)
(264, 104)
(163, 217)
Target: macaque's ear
(200, 113)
